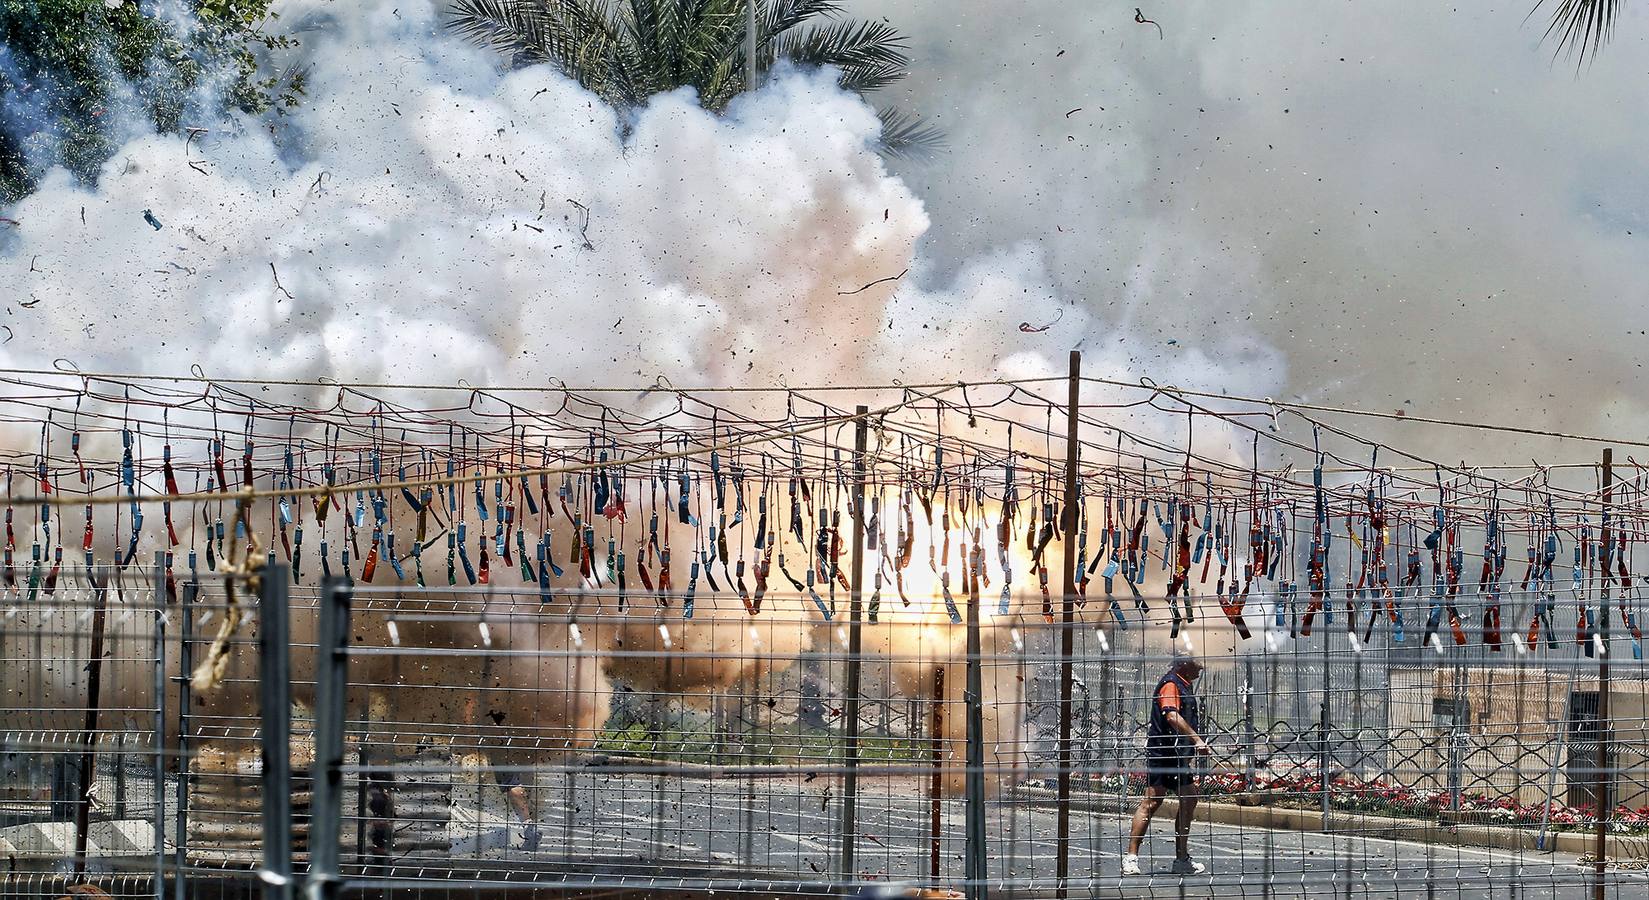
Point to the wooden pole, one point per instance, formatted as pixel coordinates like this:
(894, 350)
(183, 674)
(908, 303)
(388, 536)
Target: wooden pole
(1068, 519)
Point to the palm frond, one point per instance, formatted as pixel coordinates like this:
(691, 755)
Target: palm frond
(628, 50)
(1581, 27)
(516, 30)
(870, 54)
(711, 38)
(907, 136)
(580, 37)
(780, 16)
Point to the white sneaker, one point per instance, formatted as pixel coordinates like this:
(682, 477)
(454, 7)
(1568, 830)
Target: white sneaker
(1130, 864)
(1188, 866)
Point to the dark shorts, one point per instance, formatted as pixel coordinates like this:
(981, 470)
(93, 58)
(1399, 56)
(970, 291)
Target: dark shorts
(1169, 772)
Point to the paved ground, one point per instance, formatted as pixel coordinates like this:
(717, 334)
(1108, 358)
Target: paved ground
(782, 837)
(794, 826)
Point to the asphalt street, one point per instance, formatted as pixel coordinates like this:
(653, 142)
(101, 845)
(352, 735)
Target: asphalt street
(791, 828)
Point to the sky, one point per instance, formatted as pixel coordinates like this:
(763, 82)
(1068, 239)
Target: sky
(1416, 207)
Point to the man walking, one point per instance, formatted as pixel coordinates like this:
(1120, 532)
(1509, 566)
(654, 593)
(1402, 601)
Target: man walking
(1170, 745)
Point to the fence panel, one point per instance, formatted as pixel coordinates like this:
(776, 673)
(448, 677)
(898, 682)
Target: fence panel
(491, 741)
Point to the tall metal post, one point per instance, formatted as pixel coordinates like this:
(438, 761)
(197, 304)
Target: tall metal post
(1249, 738)
(1068, 518)
(750, 64)
(331, 684)
(977, 885)
(1324, 723)
(850, 782)
(1605, 778)
(936, 742)
(275, 695)
(160, 725)
(186, 664)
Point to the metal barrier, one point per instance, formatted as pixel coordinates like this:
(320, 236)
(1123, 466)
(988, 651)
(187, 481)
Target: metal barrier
(372, 738)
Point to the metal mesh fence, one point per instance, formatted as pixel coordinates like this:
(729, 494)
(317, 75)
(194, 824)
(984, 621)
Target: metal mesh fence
(612, 749)
(83, 769)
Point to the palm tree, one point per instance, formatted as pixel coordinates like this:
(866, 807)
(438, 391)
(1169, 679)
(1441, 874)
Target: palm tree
(1582, 26)
(628, 50)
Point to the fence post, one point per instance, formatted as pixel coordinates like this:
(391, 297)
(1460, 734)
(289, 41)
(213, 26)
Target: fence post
(88, 739)
(331, 684)
(977, 886)
(275, 695)
(186, 664)
(1457, 762)
(1062, 827)
(936, 741)
(850, 782)
(1249, 738)
(1323, 781)
(1605, 778)
(160, 725)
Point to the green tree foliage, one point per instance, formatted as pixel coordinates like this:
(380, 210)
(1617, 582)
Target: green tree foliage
(78, 77)
(629, 50)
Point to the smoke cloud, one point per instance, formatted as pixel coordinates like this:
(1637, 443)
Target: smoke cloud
(1418, 208)
(425, 217)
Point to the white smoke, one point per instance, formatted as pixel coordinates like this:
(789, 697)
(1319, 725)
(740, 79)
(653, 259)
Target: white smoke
(422, 218)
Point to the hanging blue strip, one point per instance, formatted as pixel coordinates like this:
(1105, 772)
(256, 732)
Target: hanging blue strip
(544, 569)
(950, 602)
(463, 552)
(406, 494)
(526, 494)
(527, 573)
(394, 561)
(549, 555)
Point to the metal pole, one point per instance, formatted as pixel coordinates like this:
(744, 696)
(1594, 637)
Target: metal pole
(186, 664)
(750, 64)
(1323, 780)
(1062, 837)
(275, 694)
(850, 783)
(1457, 776)
(88, 738)
(1605, 778)
(1249, 738)
(1357, 710)
(976, 886)
(936, 787)
(160, 725)
(331, 684)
